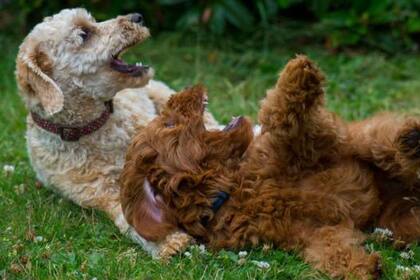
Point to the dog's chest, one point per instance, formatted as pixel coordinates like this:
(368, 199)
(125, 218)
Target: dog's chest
(100, 154)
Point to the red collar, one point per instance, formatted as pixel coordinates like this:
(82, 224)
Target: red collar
(73, 133)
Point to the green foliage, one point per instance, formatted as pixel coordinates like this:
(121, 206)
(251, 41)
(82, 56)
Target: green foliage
(17, 17)
(219, 15)
(388, 25)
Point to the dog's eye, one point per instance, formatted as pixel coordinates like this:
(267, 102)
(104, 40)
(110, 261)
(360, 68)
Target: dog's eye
(169, 124)
(84, 34)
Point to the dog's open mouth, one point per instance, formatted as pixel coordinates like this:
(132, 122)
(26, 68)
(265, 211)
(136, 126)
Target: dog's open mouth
(234, 123)
(135, 70)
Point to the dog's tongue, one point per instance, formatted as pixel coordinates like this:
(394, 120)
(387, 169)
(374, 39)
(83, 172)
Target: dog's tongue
(132, 69)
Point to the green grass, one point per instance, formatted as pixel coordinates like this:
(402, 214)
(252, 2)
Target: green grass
(83, 244)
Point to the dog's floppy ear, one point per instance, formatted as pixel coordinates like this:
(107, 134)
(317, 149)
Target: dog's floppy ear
(32, 68)
(151, 218)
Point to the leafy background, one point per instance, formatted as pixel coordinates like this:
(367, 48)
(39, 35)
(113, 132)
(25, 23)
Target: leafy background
(388, 25)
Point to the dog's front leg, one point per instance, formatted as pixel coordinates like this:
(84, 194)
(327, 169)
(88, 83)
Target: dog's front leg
(174, 243)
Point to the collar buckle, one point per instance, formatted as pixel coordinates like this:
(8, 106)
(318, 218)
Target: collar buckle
(69, 134)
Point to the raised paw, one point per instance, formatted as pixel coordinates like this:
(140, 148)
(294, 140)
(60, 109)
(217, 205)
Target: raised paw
(301, 77)
(173, 244)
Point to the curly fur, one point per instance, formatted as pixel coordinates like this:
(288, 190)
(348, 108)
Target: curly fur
(301, 185)
(66, 80)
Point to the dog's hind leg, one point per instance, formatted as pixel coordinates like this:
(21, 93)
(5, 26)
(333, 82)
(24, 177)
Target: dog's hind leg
(390, 142)
(401, 215)
(302, 131)
(338, 251)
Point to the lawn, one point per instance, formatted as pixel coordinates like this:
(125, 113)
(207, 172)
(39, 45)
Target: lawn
(43, 236)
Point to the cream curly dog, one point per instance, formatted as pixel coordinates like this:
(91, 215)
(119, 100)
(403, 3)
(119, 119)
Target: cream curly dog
(78, 129)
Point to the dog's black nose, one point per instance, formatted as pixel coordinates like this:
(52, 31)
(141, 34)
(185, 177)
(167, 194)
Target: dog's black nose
(137, 18)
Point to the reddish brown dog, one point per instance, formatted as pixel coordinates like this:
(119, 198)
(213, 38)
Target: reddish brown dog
(307, 183)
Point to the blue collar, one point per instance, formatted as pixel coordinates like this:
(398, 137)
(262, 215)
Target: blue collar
(219, 200)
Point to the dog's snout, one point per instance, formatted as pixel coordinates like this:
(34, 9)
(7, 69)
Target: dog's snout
(137, 18)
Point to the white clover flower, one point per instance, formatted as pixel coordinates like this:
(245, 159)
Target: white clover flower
(407, 255)
(202, 248)
(416, 268)
(38, 239)
(19, 189)
(187, 254)
(261, 264)
(383, 231)
(402, 268)
(8, 169)
(382, 235)
(243, 254)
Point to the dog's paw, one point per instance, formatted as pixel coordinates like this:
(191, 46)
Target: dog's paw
(301, 77)
(369, 270)
(173, 244)
(409, 140)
